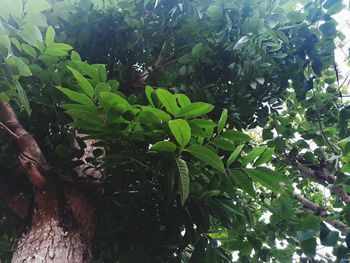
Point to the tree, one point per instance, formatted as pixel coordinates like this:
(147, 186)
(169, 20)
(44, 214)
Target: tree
(112, 149)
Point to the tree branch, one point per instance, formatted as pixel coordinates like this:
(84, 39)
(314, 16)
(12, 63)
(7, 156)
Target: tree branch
(29, 154)
(315, 209)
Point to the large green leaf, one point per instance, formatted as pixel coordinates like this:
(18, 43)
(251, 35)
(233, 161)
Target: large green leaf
(207, 156)
(31, 34)
(236, 136)
(83, 82)
(20, 65)
(222, 120)
(184, 180)
(168, 100)
(268, 178)
(181, 131)
(265, 157)
(243, 181)
(195, 109)
(250, 157)
(77, 97)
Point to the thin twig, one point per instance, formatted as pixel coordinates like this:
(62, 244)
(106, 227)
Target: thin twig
(8, 130)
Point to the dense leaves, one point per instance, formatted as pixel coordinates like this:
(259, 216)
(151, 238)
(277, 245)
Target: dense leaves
(205, 112)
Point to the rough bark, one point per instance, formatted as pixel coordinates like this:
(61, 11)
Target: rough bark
(62, 218)
(54, 236)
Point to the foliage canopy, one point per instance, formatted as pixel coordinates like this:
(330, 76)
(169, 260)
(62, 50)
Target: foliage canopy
(184, 181)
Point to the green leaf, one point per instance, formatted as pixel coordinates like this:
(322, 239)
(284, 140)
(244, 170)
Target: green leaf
(159, 113)
(31, 34)
(14, 7)
(23, 99)
(183, 100)
(29, 50)
(168, 100)
(84, 83)
(164, 146)
(195, 109)
(265, 157)
(309, 247)
(75, 56)
(234, 155)
(236, 136)
(109, 99)
(36, 6)
(250, 157)
(102, 73)
(222, 120)
(243, 181)
(207, 156)
(196, 50)
(223, 144)
(181, 131)
(77, 97)
(267, 178)
(149, 91)
(85, 115)
(184, 180)
(49, 36)
(305, 234)
(101, 87)
(20, 65)
(328, 237)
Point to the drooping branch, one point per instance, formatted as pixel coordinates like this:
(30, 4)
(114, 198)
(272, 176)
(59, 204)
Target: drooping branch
(29, 154)
(315, 209)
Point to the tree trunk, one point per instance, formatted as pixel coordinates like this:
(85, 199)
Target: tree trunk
(59, 232)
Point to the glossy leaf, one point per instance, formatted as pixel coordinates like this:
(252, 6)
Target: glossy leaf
(207, 156)
(181, 131)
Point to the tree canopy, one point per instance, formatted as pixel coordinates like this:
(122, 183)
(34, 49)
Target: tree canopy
(205, 131)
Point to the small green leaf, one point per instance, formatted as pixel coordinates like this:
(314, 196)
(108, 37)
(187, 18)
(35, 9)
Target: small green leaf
(250, 157)
(243, 181)
(223, 144)
(168, 100)
(234, 155)
(77, 97)
(75, 56)
(84, 115)
(196, 50)
(49, 36)
(236, 136)
(184, 180)
(101, 87)
(29, 50)
(207, 156)
(36, 6)
(149, 91)
(23, 99)
(222, 120)
(102, 73)
(164, 146)
(181, 131)
(265, 157)
(84, 83)
(195, 109)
